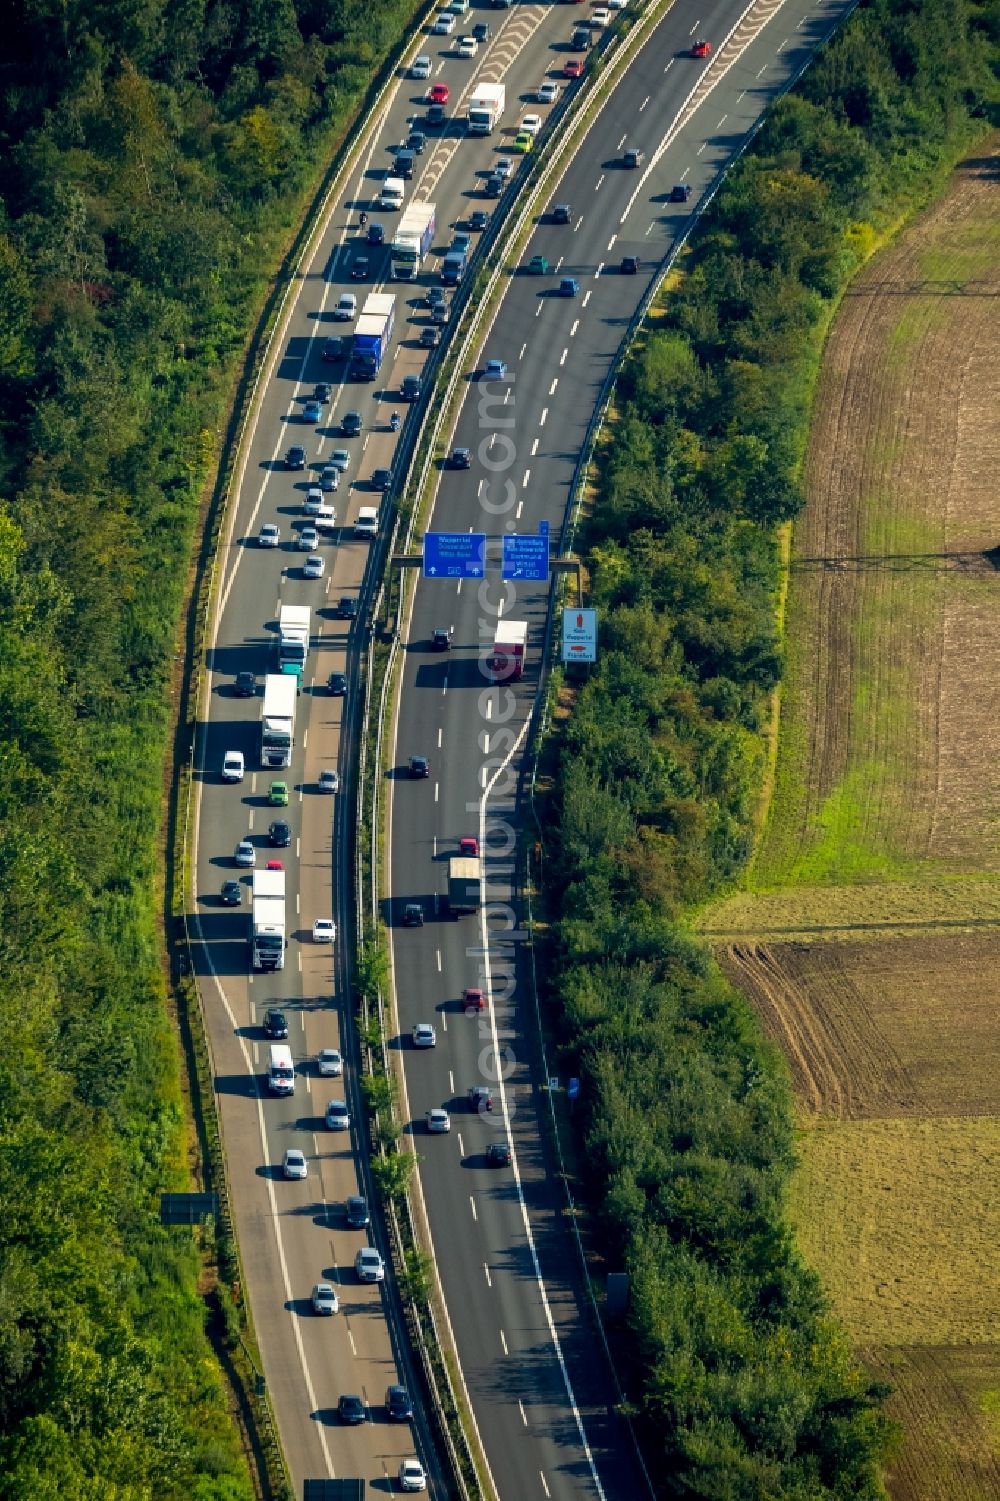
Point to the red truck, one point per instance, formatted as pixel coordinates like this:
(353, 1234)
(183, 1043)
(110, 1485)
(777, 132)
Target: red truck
(507, 659)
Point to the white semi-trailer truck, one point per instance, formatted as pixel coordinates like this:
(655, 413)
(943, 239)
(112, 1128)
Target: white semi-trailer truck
(267, 920)
(277, 719)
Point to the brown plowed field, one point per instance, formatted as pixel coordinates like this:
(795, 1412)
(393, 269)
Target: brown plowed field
(869, 936)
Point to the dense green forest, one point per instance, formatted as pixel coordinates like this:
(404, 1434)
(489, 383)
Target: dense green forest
(745, 1388)
(154, 160)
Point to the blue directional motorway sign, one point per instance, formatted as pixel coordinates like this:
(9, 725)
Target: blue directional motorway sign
(454, 555)
(527, 556)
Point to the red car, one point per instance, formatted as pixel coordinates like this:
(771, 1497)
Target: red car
(439, 93)
(275, 865)
(468, 846)
(473, 1000)
(701, 49)
(573, 69)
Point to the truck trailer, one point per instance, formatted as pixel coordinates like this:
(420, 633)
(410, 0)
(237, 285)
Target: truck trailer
(506, 662)
(277, 719)
(412, 241)
(372, 333)
(294, 625)
(486, 108)
(267, 920)
(464, 885)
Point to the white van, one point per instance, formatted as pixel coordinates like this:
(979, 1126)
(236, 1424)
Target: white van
(281, 1070)
(391, 197)
(367, 522)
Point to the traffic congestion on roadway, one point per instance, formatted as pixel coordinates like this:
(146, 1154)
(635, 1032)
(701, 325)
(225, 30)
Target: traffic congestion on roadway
(276, 753)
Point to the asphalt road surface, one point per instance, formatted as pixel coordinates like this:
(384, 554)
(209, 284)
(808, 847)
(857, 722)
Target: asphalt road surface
(538, 1388)
(531, 1361)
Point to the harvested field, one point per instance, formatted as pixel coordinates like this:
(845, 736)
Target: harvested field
(907, 1027)
(947, 1400)
(891, 720)
(869, 936)
(901, 1219)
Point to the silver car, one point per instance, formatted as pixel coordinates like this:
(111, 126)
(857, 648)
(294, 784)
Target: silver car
(337, 1116)
(245, 854)
(308, 539)
(369, 1265)
(324, 1298)
(331, 1064)
(294, 1164)
(329, 477)
(424, 1035)
(314, 567)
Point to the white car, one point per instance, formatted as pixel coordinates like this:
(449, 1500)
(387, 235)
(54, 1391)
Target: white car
(329, 781)
(438, 1120)
(531, 123)
(308, 539)
(601, 16)
(412, 1476)
(617, 4)
(503, 167)
(324, 1298)
(233, 766)
(547, 92)
(424, 1035)
(366, 524)
(369, 1265)
(293, 1164)
(331, 1064)
(338, 1117)
(346, 307)
(324, 930)
(245, 854)
(444, 24)
(340, 459)
(421, 66)
(313, 567)
(269, 535)
(467, 46)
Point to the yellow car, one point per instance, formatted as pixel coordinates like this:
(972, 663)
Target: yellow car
(523, 142)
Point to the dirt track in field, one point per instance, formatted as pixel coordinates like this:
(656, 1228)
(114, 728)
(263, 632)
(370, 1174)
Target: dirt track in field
(869, 937)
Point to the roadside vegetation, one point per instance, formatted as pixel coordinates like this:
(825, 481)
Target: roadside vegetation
(745, 1385)
(154, 162)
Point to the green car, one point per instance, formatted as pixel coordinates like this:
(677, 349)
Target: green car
(277, 794)
(538, 265)
(523, 142)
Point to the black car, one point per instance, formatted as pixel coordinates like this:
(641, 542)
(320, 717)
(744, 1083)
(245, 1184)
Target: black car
(435, 115)
(381, 479)
(413, 915)
(352, 1410)
(410, 388)
(347, 607)
(440, 313)
(680, 193)
(350, 424)
(633, 157)
(333, 348)
(436, 297)
(245, 685)
(323, 391)
(630, 265)
(337, 684)
(430, 337)
(498, 1154)
(376, 234)
(275, 1024)
(419, 766)
(481, 31)
(295, 458)
(279, 834)
(359, 268)
(357, 1211)
(441, 639)
(404, 163)
(494, 185)
(461, 458)
(398, 1407)
(561, 213)
(232, 894)
(479, 219)
(416, 141)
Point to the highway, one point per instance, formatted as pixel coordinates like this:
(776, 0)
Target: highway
(537, 1386)
(533, 1369)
